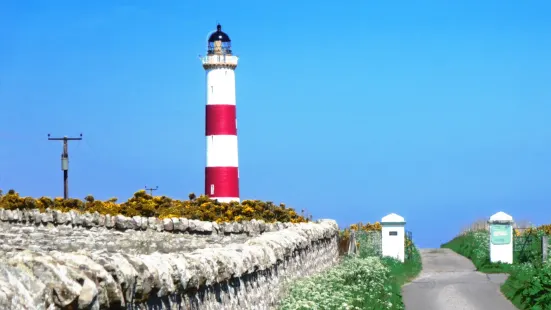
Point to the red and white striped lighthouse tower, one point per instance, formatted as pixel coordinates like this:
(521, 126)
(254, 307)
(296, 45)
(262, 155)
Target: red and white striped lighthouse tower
(221, 172)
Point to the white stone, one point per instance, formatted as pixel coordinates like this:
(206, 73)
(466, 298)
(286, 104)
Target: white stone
(393, 236)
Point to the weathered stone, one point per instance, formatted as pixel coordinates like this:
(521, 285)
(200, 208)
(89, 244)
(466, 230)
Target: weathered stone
(9, 215)
(26, 215)
(251, 227)
(175, 224)
(37, 216)
(60, 217)
(3, 215)
(109, 221)
(122, 222)
(47, 217)
(101, 220)
(151, 223)
(28, 229)
(95, 218)
(136, 222)
(261, 226)
(215, 228)
(58, 277)
(168, 225)
(108, 292)
(231, 227)
(87, 219)
(76, 219)
(223, 228)
(181, 224)
(16, 215)
(144, 223)
(204, 227)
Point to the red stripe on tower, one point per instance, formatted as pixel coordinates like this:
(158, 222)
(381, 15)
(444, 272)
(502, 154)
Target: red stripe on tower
(221, 120)
(224, 177)
(222, 171)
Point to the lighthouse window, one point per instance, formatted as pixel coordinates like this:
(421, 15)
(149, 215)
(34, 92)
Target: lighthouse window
(212, 189)
(212, 89)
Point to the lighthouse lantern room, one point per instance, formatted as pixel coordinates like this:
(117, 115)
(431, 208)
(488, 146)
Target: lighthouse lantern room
(221, 172)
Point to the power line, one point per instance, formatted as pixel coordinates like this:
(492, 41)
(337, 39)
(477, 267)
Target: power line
(65, 162)
(151, 190)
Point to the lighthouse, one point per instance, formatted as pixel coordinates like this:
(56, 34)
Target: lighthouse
(221, 171)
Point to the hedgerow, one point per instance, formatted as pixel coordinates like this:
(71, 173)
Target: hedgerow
(142, 204)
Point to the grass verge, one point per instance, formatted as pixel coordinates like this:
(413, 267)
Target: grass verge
(401, 273)
(358, 282)
(476, 247)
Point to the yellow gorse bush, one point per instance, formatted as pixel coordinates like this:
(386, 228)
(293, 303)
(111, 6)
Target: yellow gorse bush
(345, 233)
(143, 204)
(365, 227)
(545, 229)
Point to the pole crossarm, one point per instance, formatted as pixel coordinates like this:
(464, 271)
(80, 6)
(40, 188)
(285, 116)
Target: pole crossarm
(151, 189)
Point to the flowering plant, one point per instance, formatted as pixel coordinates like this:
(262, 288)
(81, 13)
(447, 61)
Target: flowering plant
(356, 283)
(199, 208)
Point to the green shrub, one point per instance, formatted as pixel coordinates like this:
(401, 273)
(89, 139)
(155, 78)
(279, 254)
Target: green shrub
(529, 286)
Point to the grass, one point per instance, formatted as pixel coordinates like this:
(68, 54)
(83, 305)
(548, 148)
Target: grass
(402, 273)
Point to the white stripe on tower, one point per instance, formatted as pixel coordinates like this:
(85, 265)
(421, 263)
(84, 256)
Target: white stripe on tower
(221, 172)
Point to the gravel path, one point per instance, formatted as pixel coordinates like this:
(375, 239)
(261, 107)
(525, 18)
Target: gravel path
(449, 282)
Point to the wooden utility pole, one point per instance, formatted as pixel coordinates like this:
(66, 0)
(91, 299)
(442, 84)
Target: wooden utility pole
(151, 190)
(65, 162)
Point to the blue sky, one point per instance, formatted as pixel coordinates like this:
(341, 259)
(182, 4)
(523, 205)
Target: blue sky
(438, 111)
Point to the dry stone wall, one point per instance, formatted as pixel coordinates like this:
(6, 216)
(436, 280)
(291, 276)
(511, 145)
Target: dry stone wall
(71, 231)
(57, 260)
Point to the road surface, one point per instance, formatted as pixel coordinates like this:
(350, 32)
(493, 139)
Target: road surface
(449, 282)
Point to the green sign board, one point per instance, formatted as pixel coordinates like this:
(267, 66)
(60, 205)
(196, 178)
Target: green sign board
(500, 234)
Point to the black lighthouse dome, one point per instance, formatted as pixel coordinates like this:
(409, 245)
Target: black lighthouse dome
(219, 35)
(219, 43)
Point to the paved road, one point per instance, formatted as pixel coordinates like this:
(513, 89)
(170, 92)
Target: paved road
(449, 282)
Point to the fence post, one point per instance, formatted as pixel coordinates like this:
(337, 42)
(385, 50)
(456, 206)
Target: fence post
(501, 238)
(352, 249)
(545, 247)
(393, 236)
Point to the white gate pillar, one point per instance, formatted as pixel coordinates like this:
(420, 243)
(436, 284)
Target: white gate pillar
(393, 236)
(501, 238)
